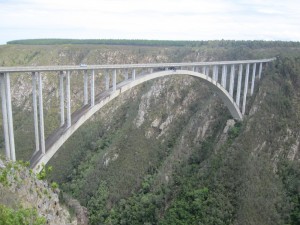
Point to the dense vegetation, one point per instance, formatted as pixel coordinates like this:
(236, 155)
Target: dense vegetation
(172, 43)
(187, 169)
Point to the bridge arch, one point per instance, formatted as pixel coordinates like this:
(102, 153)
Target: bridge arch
(63, 135)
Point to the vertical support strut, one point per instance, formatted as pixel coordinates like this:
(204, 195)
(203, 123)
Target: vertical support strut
(246, 88)
(10, 119)
(115, 80)
(106, 80)
(231, 85)
(41, 114)
(215, 73)
(126, 73)
(5, 119)
(62, 98)
(253, 78)
(207, 72)
(68, 100)
(224, 76)
(260, 70)
(133, 74)
(93, 88)
(239, 85)
(203, 70)
(85, 88)
(35, 113)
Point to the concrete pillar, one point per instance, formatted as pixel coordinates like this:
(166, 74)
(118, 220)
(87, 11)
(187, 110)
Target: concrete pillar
(10, 119)
(193, 69)
(126, 73)
(207, 72)
(203, 70)
(68, 90)
(151, 70)
(85, 88)
(238, 93)
(224, 76)
(41, 114)
(260, 70)
(231, 85)
(133, 74)
(215, 72)
(62, 98)
(253, 78)
(106, 80)
(35, 113)
(115, 80)
(5, 119)
(245, 88)
(93, 88)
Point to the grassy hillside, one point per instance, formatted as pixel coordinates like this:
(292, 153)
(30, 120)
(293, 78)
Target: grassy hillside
(167, 152)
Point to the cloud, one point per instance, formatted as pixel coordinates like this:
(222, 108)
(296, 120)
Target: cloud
(155, 19)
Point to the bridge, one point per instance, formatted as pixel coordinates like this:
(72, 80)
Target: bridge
(231, 80)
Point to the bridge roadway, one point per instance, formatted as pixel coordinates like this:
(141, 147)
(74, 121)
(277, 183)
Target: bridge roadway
(125, 66)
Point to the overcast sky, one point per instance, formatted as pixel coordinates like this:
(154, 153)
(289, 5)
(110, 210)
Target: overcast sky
(150, 19)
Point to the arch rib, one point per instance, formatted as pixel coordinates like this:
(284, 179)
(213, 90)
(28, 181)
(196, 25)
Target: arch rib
(55, 141)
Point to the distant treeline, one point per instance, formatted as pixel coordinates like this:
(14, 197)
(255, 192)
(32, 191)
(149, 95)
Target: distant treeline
(212, 43)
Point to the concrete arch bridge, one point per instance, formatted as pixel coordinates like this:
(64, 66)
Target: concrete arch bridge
(233, 81)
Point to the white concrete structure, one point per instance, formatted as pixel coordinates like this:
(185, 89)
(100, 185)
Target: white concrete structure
(45, 149)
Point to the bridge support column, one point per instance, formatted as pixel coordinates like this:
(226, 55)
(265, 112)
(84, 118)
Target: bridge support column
(85, 88)
(260, 70)
(231, 85)
(207, 72)
(115, 80)
(238, 93)
(133, 74)
(68, 100)
(224, 75)
(215, 73)
(41, 114)
(5, 118)
(93, 88)
(35, 113)
(253, 78)
(106, 80)
(151, 70)
(204, 70)
(62, 98)
(246, 88)
(10, 119)
(126, 73)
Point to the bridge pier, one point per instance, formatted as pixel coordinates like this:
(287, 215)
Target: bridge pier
(245, 88)
(260, 70)
(93, 88)
(106, 80)
(85, 88)
(68, 99)
(133, 74)
(7, 117)
(62, 98)
(41, 114)
(115, 80)
(35, 113)
(253, 78)
(231, 85)
(224, 76)
(238, 93)
(126, 73)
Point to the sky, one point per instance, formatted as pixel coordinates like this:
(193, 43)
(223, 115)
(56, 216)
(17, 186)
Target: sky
(150, 19)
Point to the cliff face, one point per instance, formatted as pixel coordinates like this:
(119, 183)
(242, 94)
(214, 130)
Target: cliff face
(167, 151)
(20, 188)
